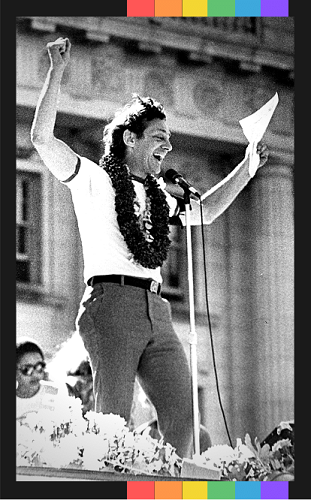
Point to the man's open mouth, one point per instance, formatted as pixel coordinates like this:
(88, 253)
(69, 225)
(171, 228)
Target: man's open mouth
(158, 157)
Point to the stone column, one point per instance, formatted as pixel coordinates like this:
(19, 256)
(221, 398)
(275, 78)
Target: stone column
(272, 295)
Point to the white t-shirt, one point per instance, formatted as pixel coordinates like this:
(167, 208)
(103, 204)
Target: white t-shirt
(48, 397)
(104, 248)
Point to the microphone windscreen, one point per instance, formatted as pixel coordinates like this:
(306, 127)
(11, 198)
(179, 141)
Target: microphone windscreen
(171, 175)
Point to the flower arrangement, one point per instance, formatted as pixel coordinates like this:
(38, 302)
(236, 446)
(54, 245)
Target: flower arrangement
(65, 438)
(247, 462)
(92, 442)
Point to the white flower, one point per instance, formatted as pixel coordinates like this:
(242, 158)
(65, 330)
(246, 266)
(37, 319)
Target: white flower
(42, 421)
(156, 465)
(24, 434)
(22, 458)
(58, 440)
(67, 408)
(91, 463)
(244, 451)
(110, 425)
(224, 454)
(161, 183)
(95, 445)
(51, 456)
(78, 426)
(95, 451)
(33, 419)
(220, 453)
(60, 454)
(279, 444)
(284, 425)
(69, 448)
(129, 440)
(146, 445)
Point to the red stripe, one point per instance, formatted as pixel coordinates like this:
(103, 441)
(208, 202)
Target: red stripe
(140, 8)
(140, 490)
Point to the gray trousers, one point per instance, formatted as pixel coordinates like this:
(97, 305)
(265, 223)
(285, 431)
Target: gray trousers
(128, 331)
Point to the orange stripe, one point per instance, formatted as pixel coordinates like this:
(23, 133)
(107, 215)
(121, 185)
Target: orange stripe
(168, 490)
(171, 8)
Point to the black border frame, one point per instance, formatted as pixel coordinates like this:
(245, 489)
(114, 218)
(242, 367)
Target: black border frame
(10, 489)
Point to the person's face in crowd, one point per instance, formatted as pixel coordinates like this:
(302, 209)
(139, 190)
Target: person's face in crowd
(29, 373)
(146, 154)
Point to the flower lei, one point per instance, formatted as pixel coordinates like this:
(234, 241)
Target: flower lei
(146, 236)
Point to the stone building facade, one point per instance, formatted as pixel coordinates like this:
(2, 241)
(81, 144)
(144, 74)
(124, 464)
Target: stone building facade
(209, 73)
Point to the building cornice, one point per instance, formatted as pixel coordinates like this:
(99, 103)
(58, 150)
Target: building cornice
(252, 42)
(203, 97)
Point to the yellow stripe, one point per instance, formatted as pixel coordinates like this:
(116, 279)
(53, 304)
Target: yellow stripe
(195, 8)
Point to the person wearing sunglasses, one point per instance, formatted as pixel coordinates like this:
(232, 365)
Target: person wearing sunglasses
(33, 391)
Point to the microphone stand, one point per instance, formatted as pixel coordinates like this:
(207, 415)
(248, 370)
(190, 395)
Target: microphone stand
(192, 334)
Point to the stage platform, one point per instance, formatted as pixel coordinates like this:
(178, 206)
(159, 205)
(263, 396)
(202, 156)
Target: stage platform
(52, 474)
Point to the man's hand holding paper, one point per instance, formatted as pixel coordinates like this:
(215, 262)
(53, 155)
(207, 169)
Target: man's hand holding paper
(258, 155)
(220, 196)
(254, 127)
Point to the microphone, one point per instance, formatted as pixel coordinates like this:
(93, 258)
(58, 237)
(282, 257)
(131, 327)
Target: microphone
(177, 178)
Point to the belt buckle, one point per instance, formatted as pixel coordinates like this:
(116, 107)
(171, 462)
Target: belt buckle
(154, 285)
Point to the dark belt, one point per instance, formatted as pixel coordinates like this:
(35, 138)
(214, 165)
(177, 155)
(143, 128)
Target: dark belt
(147, 284)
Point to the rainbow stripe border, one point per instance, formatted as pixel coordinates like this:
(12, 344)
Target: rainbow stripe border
(207, 8)
(207, 490)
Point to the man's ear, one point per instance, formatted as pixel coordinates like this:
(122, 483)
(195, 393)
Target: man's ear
(129, 138)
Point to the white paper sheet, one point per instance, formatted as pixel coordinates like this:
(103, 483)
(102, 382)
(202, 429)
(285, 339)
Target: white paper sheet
(254, 127)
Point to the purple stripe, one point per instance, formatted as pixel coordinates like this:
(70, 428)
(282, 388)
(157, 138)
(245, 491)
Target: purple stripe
(274, 8)
(270, 489)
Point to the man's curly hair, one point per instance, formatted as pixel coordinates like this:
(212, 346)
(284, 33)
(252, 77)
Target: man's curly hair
(134, 116)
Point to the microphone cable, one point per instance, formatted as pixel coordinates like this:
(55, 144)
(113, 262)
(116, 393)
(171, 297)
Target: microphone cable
(209, 324)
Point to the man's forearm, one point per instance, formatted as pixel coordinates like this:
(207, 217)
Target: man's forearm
(58, 157)
(45, 115)
(217, 199)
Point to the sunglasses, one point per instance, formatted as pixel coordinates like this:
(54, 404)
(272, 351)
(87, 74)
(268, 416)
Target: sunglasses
(29, 369)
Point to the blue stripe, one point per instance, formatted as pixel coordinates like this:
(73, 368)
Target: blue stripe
(247, 8)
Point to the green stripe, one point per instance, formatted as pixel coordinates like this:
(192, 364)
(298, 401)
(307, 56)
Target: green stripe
(220, 8)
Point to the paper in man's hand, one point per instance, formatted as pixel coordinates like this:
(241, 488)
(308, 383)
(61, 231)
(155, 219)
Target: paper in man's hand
(254, 127)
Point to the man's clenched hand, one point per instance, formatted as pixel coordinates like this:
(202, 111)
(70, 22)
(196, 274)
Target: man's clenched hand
(59, 52)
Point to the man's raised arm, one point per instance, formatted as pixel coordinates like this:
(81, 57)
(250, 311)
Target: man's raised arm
(60, 159)
(217, 199)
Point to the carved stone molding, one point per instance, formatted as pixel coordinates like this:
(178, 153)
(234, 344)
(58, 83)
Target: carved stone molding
(43, 24)
(159, 84)
(250, 40)
(207, 96)
(108, 73)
